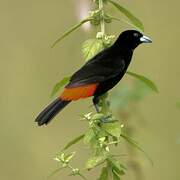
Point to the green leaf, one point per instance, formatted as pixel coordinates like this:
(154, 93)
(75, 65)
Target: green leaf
(116, 166)
(104, 174)
(89, 136)
(137, 23)
(73, 28)
(113, 129)
(98, 116)
(94, 161)
(136, 145)
(115, 176)
(68, 157)
(74, 141)
(145, 80)
(59, 85)
(91, 47)
(122, 20)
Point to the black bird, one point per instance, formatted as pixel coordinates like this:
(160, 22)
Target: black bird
(98, 75)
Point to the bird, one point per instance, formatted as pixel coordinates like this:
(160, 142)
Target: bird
(98, 75)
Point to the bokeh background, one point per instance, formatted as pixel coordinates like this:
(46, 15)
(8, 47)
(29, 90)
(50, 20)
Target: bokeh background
(29, 68)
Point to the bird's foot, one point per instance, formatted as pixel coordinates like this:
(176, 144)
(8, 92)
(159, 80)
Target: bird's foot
(107, 119)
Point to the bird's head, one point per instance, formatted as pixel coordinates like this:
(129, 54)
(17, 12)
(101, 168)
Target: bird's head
(131, 39)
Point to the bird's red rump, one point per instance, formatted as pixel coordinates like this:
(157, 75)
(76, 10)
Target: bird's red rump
(76, 93)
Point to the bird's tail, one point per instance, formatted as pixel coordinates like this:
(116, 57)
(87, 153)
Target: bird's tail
(50, 111)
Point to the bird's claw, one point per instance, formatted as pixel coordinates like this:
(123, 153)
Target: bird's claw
(106, 119)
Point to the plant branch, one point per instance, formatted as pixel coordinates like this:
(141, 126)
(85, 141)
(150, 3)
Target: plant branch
(102, 22)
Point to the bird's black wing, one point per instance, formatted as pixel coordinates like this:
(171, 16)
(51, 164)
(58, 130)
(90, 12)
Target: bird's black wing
(98, 69)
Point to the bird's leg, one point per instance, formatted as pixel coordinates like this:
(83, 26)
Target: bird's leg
(96, 102)
(104, 119)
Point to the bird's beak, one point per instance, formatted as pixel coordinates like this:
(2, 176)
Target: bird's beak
(145, 39)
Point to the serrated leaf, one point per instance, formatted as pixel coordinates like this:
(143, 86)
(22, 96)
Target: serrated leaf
(89, 136)
(136, 145)
(73, 28)
(113, 129)
(137, 23)
(104, 174)
(59, 85)
(94, 161)
(91, 47)
(72, 142)
(145, 80)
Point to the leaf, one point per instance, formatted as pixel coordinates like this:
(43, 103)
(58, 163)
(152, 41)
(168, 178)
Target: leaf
(122, 20)
(136, 145)
(74, 141)
(68, 157)
(147, 81)
(113, 129)
(73, 28)
(59, 85)
(137, 23)
(104, 174)
(91, 47)
(89, 136)
(94, 161)
(115, 176)
(116, 166)
(98, 116)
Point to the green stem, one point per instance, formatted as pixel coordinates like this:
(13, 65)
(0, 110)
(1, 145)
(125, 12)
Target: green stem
(78, 173)
(109, 170)
(83, 177)
(102, 23)
(104, 109)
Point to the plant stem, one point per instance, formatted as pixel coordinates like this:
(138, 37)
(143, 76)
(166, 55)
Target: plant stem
(102, 23)
(78, 173)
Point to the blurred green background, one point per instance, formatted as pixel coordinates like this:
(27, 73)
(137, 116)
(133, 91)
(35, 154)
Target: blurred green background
(29, 69)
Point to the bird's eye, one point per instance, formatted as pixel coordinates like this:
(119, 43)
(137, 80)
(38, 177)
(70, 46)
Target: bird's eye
(136, 35)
